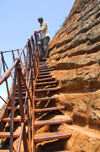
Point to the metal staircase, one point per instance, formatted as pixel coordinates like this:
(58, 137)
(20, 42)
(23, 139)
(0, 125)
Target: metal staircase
(32, 84)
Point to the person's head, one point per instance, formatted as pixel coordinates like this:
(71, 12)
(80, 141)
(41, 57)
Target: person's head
(40, 20)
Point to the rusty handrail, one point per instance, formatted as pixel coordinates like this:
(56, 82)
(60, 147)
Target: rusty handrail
(30, 54)
(7, 73)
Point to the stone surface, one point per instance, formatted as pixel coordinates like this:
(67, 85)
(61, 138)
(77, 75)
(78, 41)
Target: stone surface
(74, 52)
(75, 55)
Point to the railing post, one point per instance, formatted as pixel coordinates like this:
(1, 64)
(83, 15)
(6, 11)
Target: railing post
(30, 65)
(0, 67)
(24, 55)
(37, 52)
(13, 56)
(5, 71)
(18, 55)
(12, 111)
(21, 108)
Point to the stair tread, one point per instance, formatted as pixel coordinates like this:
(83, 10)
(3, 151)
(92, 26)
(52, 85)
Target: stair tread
(42, 73)
(45, 70)
(45, 99)
(50, 136)
(9, 119)
(15, 108)
(47, 89)
(45, 79)
(41, 76)
(7, 134)
(46, 83)
(4, 150)
(16, 98)
(53, 121)
(49, 109)
(64, 151)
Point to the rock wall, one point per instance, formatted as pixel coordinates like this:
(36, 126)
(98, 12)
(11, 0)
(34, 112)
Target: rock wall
(75, 55)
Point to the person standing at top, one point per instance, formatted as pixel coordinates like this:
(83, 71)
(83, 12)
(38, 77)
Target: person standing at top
(44, 37)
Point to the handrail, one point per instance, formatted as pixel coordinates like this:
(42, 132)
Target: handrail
(30, 54)
(7, 73)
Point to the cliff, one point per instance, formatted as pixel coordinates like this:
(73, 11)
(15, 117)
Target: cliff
(75, 55)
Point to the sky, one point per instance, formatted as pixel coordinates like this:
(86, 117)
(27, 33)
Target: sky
(19, 20)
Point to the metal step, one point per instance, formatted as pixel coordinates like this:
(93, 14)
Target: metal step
(42, 73)
(41, 67)
(4, 150)
(46, 79)
(43, 76)
(47, 89)
(7, 135)
(45, 99)
(64, 151)
(51, 136)
(15, 119)
(52, 122)
(23, 93)
(45, 70)
(49, 109)
(16, 98)
(15, 108)
(46, 83)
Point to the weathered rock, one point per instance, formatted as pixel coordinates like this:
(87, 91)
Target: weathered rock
(75, 55)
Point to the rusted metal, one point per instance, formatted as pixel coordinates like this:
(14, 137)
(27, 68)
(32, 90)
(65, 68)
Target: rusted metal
(30, 61)
(7, 135)
(51, 136)
(3, 99)
(49, 109)
(33, 63)
(46, 79)
(52, 122)
(32, 71)
(46, 83)
(47, 89)
(44, 76)
(21, 106)
(0, 68)
(5, 71)
(45, 99)
(33, 120)
(20, 137)
(12, 111)
(48, 69)
(20, 93)
(13, 56)
(26, 87)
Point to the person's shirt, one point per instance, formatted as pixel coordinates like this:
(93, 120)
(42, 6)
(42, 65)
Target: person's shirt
(44, 30)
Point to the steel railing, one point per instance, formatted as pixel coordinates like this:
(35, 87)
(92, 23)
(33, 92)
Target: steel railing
(23, 69)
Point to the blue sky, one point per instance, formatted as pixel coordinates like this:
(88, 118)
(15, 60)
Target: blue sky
(18, 20)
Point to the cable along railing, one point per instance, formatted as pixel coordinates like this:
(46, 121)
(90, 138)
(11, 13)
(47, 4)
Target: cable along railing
(23, 70)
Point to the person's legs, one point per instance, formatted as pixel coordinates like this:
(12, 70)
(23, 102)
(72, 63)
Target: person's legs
(45, 46)
(40, 44)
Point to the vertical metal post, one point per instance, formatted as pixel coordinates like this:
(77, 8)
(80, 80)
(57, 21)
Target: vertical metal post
(29, 135)
(18, 55)
(37, 53)
(33, 120)
(21, 107)
(34, 54)
(0, 67)
(30, 57)
(12, 111)
(24, 55)
(13, 56)
(5, 71)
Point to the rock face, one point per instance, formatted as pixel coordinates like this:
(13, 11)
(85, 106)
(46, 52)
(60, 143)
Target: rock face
(75, 55)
